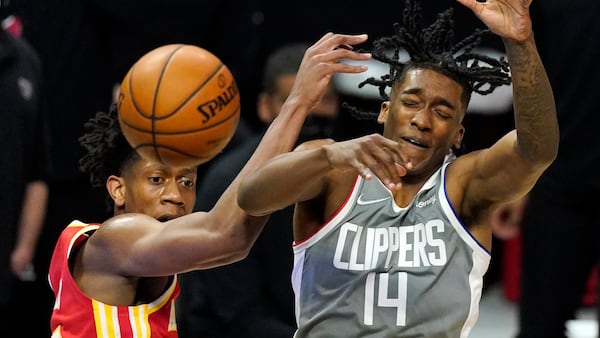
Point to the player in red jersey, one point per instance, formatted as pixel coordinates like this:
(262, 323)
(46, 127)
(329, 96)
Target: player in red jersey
(119, 279)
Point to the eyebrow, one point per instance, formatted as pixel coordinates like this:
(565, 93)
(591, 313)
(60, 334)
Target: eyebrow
(188, 171)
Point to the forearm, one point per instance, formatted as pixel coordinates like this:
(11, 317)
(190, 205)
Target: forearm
(280, 137)
(235, 225)
(30, 224)
(533, 100)
(284, 181)
(33, 213)
(319, 63)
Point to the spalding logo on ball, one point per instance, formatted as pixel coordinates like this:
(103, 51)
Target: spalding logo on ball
(179, 104)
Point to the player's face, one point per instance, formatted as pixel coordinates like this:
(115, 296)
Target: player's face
(160, 191)
(425, 115)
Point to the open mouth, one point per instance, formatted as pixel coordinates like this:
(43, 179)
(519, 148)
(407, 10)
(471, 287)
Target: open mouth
(415, 142)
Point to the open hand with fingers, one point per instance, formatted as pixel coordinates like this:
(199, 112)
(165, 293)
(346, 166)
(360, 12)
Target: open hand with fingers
(506, 18)
(321, 62)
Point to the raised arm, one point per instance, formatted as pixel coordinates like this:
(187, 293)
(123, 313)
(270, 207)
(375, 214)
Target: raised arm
(510, 168)
(145, 247)
(319, 64)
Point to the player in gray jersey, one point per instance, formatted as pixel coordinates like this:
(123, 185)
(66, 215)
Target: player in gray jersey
(391, 232)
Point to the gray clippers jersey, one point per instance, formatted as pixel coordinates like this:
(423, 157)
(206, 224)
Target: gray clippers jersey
(378, 270)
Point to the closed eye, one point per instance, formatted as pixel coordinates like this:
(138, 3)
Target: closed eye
(411, 104)
(441, 113)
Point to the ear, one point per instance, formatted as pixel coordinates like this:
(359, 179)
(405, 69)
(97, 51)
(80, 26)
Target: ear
(383, 112)
(459, 137)
(116, 189)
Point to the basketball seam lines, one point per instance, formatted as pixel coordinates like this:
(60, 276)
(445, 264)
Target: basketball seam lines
(154, 99)
(143, 130)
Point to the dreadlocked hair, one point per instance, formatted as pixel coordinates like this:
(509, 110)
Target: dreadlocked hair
(106, 149)
(433, 48)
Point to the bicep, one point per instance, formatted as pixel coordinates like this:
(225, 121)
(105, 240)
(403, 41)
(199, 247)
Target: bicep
(139, 245)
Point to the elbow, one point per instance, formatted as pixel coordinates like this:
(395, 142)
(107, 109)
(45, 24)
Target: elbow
(242, 242)
(552, 155)
(545, 157)
(232, 256)
(234, 248)
(236, 256)
(541, 161)
(247, 203)
(540, 153)
(548, 156)
(243, 201)
(551, 150)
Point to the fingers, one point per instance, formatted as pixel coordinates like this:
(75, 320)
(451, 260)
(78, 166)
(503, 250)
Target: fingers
(506, 18)
(331, 40)
(334, 47)
(469, 3)
(321, 62)
(381, 160)
(373, 155)
(389, 164)
(345, 46)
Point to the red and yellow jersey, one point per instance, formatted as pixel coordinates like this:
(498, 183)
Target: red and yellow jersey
(77, 315)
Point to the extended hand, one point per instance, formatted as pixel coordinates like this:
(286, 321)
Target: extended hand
(320, 63)
(506, 18)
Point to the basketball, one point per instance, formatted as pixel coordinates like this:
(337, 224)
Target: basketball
(179, 105)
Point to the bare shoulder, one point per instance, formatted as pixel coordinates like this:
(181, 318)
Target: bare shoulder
(100, 264)
(463, 166)
(123, 225)
(116, 236)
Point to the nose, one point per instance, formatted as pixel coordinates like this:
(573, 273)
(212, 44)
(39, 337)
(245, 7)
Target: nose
(172, 194)
(421, 119)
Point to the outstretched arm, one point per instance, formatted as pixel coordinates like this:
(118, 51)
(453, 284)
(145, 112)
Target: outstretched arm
(226, 233)
(319, 64)
(510, 168)
(302, 175)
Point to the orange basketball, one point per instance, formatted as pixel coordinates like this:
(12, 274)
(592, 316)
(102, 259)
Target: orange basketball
(179, 104)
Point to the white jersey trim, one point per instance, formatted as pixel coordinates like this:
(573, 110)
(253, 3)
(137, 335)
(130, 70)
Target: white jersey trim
(481, 257)
(333, 221)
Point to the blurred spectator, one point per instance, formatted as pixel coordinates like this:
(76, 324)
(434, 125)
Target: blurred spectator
(23, 179)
